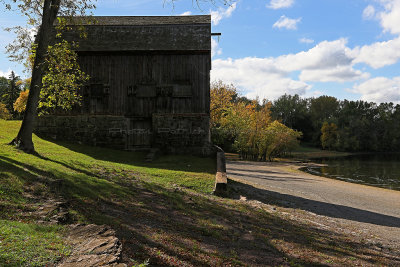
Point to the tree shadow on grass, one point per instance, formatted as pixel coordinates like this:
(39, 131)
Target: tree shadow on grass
(64, 184)
(176, 227)
(185, 163)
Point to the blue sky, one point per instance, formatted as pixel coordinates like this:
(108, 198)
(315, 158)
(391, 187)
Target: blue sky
(344, 48)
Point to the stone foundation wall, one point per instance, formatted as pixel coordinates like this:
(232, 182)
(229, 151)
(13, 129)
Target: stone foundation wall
(89, 130)
(182, 133)
(171, 133)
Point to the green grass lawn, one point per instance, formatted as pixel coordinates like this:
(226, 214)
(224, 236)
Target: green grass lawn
(163, 212)
(88, 175)
(30, 244)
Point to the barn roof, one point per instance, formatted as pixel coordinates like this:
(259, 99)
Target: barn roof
(147, 20)
(144, 33)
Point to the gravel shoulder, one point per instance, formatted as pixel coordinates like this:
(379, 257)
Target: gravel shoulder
(352, 207)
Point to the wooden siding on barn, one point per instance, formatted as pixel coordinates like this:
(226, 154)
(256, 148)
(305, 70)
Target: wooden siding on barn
(138, 85)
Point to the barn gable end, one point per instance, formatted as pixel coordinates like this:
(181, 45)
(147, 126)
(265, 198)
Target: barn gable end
(149, 85)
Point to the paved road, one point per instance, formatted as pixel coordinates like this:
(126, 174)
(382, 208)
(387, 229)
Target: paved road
(372, 206)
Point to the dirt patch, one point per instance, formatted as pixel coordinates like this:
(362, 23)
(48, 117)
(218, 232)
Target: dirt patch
(93, 245)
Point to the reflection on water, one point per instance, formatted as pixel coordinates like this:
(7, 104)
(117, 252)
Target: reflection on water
(382, 170)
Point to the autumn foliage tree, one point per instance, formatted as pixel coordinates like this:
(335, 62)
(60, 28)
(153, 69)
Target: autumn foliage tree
(258, 137)
(248, 125)
(4, 113)
(329, 132)
(62, 79)
(20, 103)
(222, 98)
(60, 82)
(279, 140)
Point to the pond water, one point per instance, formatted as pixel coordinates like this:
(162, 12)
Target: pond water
(382, 170)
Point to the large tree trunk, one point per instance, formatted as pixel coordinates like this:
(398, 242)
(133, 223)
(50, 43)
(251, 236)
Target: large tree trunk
(24, 138)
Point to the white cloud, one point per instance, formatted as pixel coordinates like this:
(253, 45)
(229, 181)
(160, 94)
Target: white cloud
(325, 55)
(338, 74)
(328, 61)
(390, 18)
(31, 32)
(369, 12)
(277, 4)
(275, 88)
(380, 89)
(5, 73)
(217, 16)
(187, 13)
(306, 40)
(316, 93)
(287, 23)
(379, 54)
(215, 49)
(258, 76)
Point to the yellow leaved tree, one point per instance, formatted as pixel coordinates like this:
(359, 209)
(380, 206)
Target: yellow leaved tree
(20, 103)
(246, 126)
(4, 113)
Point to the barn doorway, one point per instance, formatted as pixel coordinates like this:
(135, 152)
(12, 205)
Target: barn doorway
(140, 134)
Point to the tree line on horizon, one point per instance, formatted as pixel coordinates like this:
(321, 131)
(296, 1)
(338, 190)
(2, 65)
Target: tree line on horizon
(342, 125)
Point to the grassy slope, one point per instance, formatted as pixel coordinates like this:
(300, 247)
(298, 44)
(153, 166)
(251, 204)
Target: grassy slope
(162, 211)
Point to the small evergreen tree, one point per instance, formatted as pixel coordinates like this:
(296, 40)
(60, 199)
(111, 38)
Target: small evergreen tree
(12, 92)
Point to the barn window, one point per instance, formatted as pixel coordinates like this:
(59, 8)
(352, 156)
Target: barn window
(164, 90)
(182, 90)
(146, 90)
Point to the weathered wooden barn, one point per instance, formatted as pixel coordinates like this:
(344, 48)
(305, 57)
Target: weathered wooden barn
(149, 85)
